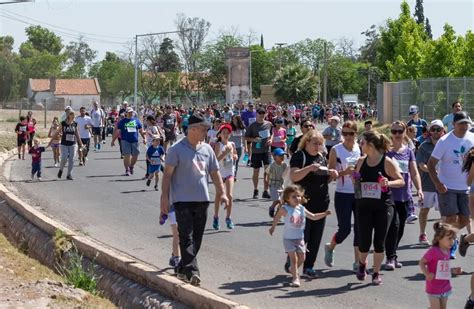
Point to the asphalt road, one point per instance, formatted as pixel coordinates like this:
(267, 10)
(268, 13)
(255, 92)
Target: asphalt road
(245, 264)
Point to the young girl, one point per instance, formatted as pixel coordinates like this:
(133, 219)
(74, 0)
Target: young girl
(290, 134)
(293, 234)
(279, 135)
(226, 155)
(55, 140)
(212, 133)
(435, 265)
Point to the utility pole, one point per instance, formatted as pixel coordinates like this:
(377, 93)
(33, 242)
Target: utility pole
(279, 51)
(325, 81)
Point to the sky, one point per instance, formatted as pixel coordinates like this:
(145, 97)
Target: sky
(106, 25)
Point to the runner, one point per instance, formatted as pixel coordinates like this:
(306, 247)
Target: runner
(98, 123)
(84, 124)
(332, 134)
(279, 135)
(456, 106)
(343, 158)
(259, 133)
(69, 140)
(21, 131)
(154, 157)
(36, 152)
(430, 195)
(237, 137)
(128, 129)
(374, 205)
(55, 140)
(249, 116)
(170, 123)
(416, 120)
(31, 126)
(191, 161)
(305, 126)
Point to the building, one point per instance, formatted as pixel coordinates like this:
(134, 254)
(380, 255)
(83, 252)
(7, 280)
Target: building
(59, 93)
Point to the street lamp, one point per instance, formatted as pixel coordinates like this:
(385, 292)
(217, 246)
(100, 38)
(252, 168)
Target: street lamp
(279, 50)
(135, 90)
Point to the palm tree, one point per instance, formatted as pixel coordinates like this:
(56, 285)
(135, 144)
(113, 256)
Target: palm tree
(295, 83)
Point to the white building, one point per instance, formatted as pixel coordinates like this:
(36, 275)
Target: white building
(60, 93)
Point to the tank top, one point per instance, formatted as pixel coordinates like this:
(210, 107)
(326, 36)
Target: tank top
(226, 165)
(69, 133)
(344, 158)
(371, 191)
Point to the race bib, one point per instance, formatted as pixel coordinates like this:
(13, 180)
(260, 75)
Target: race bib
(237, 133)
(228, 162)
(443, 270)
(252, 120)
(264, 134)
(155, 161)
(131, 129)
(23, 128)
(371, 190)
(277, 139)
(169, 122)
(70, 137)
(403, 164)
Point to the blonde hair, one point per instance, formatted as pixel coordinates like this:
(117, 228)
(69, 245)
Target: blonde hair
(310, 135)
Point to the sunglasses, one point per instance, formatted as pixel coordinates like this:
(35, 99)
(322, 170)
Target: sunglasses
(306, 126)
(397, 131)
(261, 113)
(348, 133)
(436, 129)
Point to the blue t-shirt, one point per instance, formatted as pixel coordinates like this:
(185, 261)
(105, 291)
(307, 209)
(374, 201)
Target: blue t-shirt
(129, 129)
(419, 124)
(154, 154)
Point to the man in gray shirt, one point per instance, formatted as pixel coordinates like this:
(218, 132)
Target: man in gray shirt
(423, 154)
(260, 135)
(188, 165)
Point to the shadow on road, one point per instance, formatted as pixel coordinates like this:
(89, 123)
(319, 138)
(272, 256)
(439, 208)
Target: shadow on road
(413, 246)
(349, 287)
(100, 176)
(36, 181)
(125, 180)
(416, 277)
(257, 224)
(256, 286)
(337, 273)
(137, 191)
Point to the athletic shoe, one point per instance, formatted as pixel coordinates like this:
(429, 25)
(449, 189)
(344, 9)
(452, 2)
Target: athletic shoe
(195, 280)
(230, 224)
(295, 283)
(131, 170)
(265, 194)
(310, 273)
(215, 223)
(148, 182)
(390, 264)
(98, 146)
(156, 187)
(80, 163)
(103, 142)
(23, 157)
(463, 245)
(355, 266)
(255, 193)
(60, 173)
(69, 177)
(423, 240)
(287, 265)
(411, 218)
(126, 173)
(453, 250)
(328, 256)
(469, 304)
(39, 178)
(398, 264)
(271, 211)
(55, 165)
(376, 279)
(361, 272)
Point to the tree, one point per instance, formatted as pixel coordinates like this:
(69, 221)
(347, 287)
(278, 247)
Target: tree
(345, 47)
(262, 70)
(368, 51)
(344, 76)
(79, 58)
(168, 59)
(419, 12)
(467, 55)
(429, 33)
(42, 40)
(295, 83)
(9, 68)
(311, 52)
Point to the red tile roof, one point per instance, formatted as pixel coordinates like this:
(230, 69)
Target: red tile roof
(68, 86)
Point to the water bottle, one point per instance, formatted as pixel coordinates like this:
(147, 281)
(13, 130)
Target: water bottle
(163, 218)
(245, 158)
(258, 144)
(383, 188)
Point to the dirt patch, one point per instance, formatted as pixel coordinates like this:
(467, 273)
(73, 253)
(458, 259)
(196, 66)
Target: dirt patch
(9, 119)
(26, 283)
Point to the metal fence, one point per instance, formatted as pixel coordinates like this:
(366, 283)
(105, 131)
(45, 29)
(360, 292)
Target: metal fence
(433, 97)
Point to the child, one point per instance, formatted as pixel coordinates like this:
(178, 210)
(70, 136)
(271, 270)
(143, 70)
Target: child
(435, 265)
(274, 175)
(55, 140)
(290, 134)
(176, 253)
(293, 234)
(35, 152)
(22, 134)
(154, 156)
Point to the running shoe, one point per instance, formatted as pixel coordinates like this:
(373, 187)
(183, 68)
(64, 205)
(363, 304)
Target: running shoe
(80, 163)
(230, 224)
(376, 279)
(287, 265)
(397, 264)
(39, 178)
(423, 240)
(98, 146)
(355, 266)
(156, 187)
(271, 211)
(69, 177)
(55, 165)
(215, 223)
(469, 304)
(329, 255)
(295, 283)
(453, 250)
(389, 264)
(23, 157)
(60, 173)
(361, 272)
(103, 142)
(131, 170)
(148, 182)
(195, 280)
(411, 218)
(265, 194)
(255, 193)
(126, 173)
(463, 245)
(310, 273)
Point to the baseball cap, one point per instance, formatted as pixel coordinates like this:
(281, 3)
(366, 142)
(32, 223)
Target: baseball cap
(261, 110)
(129, 110)
(461, 117)
(413, 110)
(278, 152)
(437, 123)
(335, 118)
(226, 126)
(68, 108)
(196, 120)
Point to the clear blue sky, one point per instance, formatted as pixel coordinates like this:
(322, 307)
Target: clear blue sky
(278, 21)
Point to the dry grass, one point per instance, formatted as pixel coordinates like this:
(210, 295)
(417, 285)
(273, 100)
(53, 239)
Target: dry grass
(9, 119)
(379, 126)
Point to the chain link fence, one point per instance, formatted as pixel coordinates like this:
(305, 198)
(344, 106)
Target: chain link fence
(433, 97)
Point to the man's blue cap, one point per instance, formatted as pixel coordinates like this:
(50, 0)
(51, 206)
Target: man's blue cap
(278, 152)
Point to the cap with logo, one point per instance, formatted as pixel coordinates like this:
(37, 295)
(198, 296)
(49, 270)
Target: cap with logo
(461, 117)
(413, 110)
(436, 123)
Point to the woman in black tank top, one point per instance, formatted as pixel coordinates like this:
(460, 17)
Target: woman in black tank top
(375, 175)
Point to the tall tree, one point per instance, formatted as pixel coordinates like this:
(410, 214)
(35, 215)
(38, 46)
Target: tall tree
(295, 83)
(262, 71)
(368, 51)
(311, 52)
(79, 58)
(41, 40)
(429, 33)
(168, 59)
(419, 13)
(10, 70)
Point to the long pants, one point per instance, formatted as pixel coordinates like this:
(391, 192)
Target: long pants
(36, 169)
(344, 203)
(239, 154)
(397, 227)
(373, 220)
(191, 218)
(67, 154)
(313, 233)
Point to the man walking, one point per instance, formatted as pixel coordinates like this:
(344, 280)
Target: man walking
(170, 123)
(448, 119)
(84, 123)
(98, 121)
(191, 161)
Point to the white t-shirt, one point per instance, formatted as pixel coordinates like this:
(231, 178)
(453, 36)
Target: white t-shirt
(81, 123)
(212, 135)
(345, 157)
(97, 117)
(450, 150)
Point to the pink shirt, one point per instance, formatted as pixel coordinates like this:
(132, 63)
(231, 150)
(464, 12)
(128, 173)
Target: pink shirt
(278, 136)
(432, 257)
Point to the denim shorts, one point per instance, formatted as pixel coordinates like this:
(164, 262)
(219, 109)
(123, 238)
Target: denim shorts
(442, 295)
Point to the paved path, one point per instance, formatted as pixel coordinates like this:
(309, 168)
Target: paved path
(245, 264)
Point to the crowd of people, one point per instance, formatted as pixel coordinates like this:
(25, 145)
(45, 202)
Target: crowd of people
(375, 177)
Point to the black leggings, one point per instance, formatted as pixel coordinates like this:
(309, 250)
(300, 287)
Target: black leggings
(373, 217)
(397, 227)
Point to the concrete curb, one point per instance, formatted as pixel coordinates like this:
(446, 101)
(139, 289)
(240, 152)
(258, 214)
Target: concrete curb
(117, 261)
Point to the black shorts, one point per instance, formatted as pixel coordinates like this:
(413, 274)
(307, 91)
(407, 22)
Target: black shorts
(97, 130)
(259, 160)
(20, 141)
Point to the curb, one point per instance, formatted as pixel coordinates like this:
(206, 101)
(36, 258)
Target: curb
(119, 262)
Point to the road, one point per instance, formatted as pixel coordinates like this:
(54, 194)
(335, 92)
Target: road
(245, 264)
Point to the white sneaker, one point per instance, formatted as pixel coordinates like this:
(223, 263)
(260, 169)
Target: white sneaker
(295, 283)
(55, 164)
(412, 218)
